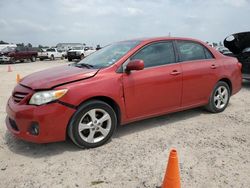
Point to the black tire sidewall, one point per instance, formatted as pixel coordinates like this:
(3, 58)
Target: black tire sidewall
(74, 122)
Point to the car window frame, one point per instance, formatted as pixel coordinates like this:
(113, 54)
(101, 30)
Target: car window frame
(195, 42)
(122, 68)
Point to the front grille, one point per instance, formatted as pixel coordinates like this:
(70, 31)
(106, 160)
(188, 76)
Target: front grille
(13, 124)
(71, 53)
(19, 96)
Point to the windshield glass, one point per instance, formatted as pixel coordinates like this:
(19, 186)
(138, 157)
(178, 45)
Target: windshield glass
(50, 50)
(77, 48)
(8, 49)
(109, 54)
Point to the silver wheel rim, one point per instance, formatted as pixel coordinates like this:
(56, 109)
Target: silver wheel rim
(220, 97)
(94, 125)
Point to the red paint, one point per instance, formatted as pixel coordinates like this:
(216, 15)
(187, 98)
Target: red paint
(138, 94)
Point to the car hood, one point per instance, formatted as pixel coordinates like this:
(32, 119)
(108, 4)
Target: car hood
(237, 42)
(52, 77)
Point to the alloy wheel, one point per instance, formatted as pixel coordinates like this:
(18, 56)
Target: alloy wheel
(94, 125)
(221, 97)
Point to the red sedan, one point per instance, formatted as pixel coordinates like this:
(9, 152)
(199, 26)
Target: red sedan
(123, 82)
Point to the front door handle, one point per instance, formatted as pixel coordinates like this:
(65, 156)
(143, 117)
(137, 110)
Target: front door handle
(213, 66)
(175, 72)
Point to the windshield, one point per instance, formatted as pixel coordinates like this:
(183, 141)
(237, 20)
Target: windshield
(77, 48)
(50, 50)
(109, 54)
(8, 49)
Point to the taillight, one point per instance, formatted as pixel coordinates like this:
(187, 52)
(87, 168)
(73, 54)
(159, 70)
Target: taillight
(239, 65)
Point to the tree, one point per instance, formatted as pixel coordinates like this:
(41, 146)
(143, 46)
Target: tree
(2, 42)
(29, 45)
(20, 44)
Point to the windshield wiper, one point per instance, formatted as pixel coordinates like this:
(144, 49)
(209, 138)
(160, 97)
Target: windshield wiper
(84, 65)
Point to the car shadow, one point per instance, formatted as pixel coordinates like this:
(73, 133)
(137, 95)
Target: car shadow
(158, 121)
(33, 150)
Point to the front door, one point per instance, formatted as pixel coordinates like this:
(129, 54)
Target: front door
(157, 88)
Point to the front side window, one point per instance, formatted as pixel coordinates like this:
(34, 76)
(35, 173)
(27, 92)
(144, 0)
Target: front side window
(192, 51)
(156, 54)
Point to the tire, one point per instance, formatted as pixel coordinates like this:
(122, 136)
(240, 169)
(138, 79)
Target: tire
(219, 98)
(12, 60)
(69, 59)
(87, 129)
(82, 56)
(52, 57)
(33, 59)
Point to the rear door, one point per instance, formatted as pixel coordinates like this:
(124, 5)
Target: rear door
(200, 71)
(156, 88)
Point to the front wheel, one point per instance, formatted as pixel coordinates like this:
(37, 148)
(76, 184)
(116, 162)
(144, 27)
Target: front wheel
(82, 56)
(219, 98)
(12, 60)
(93, 124)
(52, 57)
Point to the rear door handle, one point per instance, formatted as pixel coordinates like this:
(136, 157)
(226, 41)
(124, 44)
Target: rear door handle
(213, 66)
(175, 72)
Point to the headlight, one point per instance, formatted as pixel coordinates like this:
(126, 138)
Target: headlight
(43, 97)
(78, 53)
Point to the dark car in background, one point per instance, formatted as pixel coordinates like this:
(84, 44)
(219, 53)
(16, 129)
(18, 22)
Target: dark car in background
(20, 53)
(239, 45)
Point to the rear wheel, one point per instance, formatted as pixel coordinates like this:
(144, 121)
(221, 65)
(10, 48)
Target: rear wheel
(93, 124)
(219, 98)
(69, 59)
(33, 58)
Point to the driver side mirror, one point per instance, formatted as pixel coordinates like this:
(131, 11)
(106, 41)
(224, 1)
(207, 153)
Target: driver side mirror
(136, 64)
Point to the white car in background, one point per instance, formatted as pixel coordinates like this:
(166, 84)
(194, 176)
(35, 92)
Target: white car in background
(50, 53)
(79, 52)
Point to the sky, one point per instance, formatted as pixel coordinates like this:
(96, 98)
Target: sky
(48, 22)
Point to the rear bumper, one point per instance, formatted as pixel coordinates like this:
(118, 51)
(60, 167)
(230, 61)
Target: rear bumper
(51, 118)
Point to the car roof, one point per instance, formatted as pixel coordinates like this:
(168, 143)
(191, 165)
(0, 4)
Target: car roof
(154, 39)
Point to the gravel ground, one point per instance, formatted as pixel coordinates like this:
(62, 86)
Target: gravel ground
(213, 149)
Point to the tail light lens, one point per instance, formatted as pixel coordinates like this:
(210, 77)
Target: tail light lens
(239, 65)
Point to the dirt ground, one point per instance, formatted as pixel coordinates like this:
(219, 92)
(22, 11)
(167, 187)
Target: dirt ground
(213, 149)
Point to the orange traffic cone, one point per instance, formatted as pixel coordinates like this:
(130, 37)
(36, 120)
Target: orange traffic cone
(172, 175)
(9, 68)
(18, 78)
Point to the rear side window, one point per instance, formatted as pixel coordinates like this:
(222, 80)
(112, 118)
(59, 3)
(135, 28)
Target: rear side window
(156, 54)
(192, 51)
